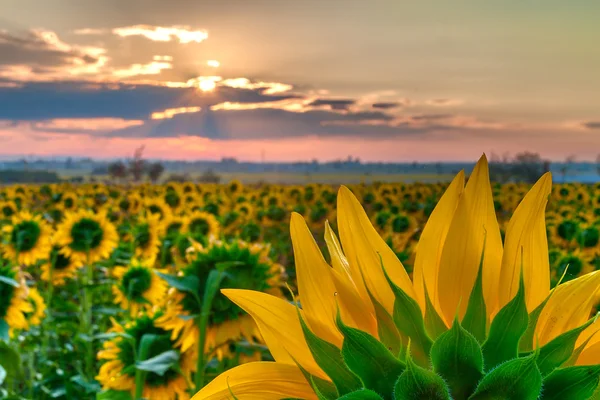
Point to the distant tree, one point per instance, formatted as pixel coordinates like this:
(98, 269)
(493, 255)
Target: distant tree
(209, 177)
(598, 164)
(566, 166)
(523, 167)
(117, 170)
(137, 164)
(155, 171)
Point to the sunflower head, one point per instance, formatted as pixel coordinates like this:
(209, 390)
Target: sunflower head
(138, 287)
(59, 267)
(14, 303)
(146, 237)
(28, 239)
(202, 223)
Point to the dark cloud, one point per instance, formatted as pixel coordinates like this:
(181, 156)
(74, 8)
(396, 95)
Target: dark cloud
(334, 104)
(33, 50)
(36, 101)
(385, 106)
(431, 117)
(592, 124)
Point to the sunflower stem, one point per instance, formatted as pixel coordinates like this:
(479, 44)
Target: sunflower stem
(47, 321)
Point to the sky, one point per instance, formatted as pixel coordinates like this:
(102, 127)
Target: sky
(289, 80)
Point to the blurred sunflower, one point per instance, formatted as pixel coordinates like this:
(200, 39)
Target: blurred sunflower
(65, 267)
(29, 239)
(86, 236)
(38, 307)
(8, 209)
(249, 267)
(138, 287)
(146, 237)
(202, 223)
(119, 357)
(13, 299)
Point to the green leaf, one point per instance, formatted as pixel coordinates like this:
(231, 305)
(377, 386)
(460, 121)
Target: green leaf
(409, 321)
(9, 281)
(417, 383)
(475, 319)
(114, 395)
(10, 359)
(508, 326)
(386, 328)
(457, 357)
(2, 374)
(515, 379)
(4, 330)
(559, 350)
(325, 390)
(434, 325)
(578, 382)
(189, 284)
(329, 358)
(363, 394)
(159, 364)
(370, 360)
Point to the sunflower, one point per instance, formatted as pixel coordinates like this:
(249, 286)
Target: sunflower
(138, 287)
(251, 269)
(86, 236)
(204, 224)
(29, 239)
(69, 201)
(118, 370)
(157, 206)
(14, 305)
(146, 237)
(466, 283)
(8, 209)
(38, 307)
(65, 267)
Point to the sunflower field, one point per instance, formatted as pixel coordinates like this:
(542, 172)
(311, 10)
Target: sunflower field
(132, 292)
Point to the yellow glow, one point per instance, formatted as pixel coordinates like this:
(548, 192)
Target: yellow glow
(170, 112)
(213, 63)
(206, 85)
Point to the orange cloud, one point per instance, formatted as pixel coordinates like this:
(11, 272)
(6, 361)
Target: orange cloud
(184, 34)
(170, 112)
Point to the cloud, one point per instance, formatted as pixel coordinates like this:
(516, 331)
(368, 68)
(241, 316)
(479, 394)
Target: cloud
(592, 124)
(333, 104)
(386, 105)
(183, 34)
(82, 125)
(152, 68)
(443, 102)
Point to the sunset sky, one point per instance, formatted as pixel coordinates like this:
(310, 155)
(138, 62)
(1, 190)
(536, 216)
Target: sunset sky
(383, 80)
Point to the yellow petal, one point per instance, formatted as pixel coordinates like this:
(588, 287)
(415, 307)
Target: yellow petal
(589, 356)
(526, 242)
(280, 327)
(363, 246)
(315, 285)
(258, 381)
(569, 307)
(474, 220)
(431, 243)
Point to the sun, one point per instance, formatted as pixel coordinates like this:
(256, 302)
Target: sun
(207, 85)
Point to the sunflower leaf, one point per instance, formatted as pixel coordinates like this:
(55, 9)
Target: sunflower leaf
(370, 360)
(11, 361)
(189, 284)
(409, 321)
(508, 326)
(325, 390)
(160, 363)
(329, 358)
(456, 355)
(475, 318)
(578, 382)
(362, 394)
(418, 383)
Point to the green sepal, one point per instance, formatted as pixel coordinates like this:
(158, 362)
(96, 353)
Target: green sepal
(363, 394)
(325, 390)
(578, 382)
(475, 318)
(576, 353)
(515, 379)
(434, 325)
(502, 343)
(377, 368)
(329, 358)
(456, 355)
(409, 321)
(417, 383)
(386, 328)
(559, 350)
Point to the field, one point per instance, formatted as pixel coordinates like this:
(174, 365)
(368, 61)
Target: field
(112, 291)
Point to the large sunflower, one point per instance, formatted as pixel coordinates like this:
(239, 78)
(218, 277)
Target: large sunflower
(251, 268)
(29, 239)
(64, 267)
(138, 287)
(146, 237)
(86, 236)
(14, 305)
(118, 370)
(362, 332)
